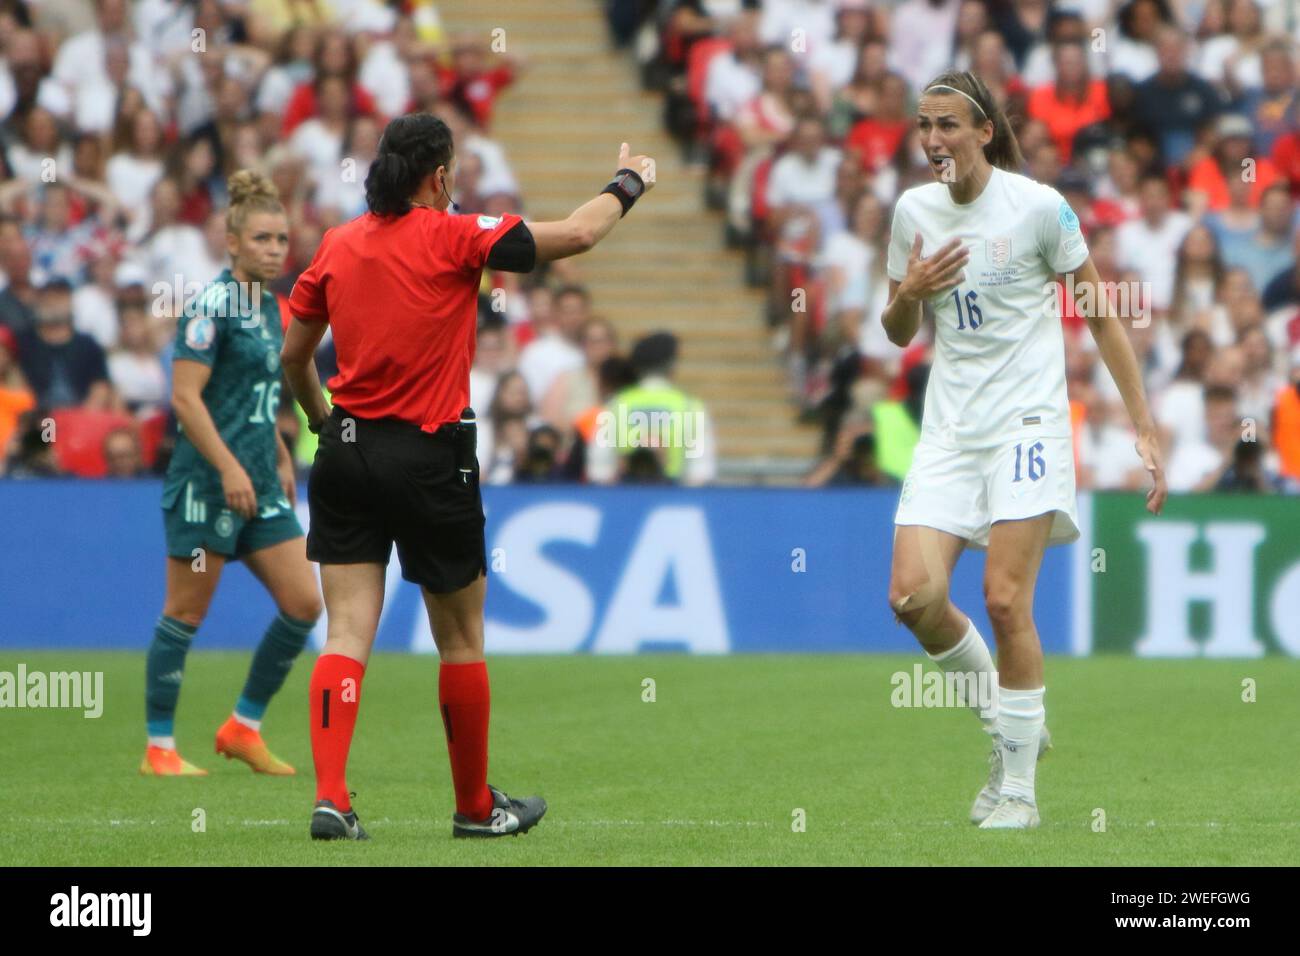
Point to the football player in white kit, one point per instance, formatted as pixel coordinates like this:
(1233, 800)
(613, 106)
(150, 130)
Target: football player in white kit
(994, 468)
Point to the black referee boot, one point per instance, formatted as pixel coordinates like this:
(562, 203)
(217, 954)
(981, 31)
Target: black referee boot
(330, 823)
(510, 817)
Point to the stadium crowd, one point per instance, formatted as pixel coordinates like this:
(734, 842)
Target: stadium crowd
(1171, 126)
(120, 124)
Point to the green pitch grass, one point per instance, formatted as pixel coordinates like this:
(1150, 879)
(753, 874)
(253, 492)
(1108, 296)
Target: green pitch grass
(712, 772)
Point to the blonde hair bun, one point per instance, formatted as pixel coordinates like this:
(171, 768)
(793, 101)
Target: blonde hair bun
(251, 184)
(251, 190)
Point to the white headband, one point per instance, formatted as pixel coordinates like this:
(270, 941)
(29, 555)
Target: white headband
(951, 89)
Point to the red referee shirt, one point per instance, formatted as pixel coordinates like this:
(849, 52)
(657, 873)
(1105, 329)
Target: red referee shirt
(400, 294)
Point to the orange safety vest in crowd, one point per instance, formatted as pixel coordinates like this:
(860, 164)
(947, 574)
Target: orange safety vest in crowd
(1286, 431)
(1078, 418)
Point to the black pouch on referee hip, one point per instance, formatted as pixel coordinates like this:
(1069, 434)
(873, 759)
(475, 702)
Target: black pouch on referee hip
(465, 443)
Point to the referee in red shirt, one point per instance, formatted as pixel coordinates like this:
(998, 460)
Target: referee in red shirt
(398, 287)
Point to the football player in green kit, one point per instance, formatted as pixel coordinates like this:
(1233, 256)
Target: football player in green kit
(229, 492)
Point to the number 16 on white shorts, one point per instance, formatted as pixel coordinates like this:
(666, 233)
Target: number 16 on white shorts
(963, 491)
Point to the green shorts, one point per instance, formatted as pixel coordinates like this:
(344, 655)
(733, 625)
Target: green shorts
(192, 524)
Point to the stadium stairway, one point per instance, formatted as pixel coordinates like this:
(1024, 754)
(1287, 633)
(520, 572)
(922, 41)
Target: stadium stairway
(668, 267)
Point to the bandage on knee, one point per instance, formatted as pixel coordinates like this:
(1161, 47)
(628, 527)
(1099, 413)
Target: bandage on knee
(931, 598)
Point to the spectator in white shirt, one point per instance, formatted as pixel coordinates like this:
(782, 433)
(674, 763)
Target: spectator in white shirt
(346, 192)
(833, 64)
(1063, 26)
(1232, 59)
(801, 26)
(858, 285)
(1106, 447)
(319, 140)
(173, 248)
(576, 390)
(80, 62)
(734, 76)
(1149, 244)
(551, 352)
(972, 21)
(164, 26)
(920, 37)
(1132, 53)
(1180, 406)
(803, 179)
(495, 177)
(383, 71)
(1261, 379)
(41, 142)
(1197, 463)
(136, 164)
(94, 305)
(293, 67)
(135, 367)
(493, 356)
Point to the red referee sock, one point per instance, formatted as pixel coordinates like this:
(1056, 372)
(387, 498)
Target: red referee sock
(335, 696)
(465, 699)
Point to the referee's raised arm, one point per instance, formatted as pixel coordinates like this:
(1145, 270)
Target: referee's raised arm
(592, 221)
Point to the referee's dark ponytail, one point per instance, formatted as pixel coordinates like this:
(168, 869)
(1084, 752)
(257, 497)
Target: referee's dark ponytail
(412, 147)
(1003, 150)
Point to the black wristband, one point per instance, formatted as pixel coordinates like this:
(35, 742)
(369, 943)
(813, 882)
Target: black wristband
(315, 428)
(627, 187)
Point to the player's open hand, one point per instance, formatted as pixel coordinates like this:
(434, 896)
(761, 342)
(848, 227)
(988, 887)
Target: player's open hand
(238, 489)
(930, 275)
(1148, 448)
(643, 166)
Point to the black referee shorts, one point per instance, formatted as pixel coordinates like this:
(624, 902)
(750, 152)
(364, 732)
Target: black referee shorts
(379, 481)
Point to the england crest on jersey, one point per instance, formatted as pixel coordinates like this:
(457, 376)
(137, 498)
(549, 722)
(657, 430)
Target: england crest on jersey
(998, 252)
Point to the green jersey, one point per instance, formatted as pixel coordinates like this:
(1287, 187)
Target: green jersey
(237, 336)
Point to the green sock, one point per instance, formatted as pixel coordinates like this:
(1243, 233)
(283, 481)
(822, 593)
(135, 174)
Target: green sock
(164, 668)
(281, 644)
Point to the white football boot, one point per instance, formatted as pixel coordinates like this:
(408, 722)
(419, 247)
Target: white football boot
(988, 797)
(1011, 813)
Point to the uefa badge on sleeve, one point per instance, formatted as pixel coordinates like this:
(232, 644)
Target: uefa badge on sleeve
(199, 333)
(1066, 216)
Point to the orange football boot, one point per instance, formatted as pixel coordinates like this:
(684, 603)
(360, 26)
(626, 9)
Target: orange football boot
(160, 762)
(244, 743)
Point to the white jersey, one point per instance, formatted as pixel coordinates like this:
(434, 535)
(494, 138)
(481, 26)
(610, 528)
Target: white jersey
(999, 353)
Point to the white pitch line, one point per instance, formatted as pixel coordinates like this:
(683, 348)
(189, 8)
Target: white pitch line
(767, 824)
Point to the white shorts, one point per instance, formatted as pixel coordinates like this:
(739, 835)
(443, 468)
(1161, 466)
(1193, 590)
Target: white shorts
(963, 492)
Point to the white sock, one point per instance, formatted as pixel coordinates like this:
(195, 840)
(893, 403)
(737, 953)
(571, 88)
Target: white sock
(1020, 721)
(247, 721)
(971, 655)
(166, 743)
